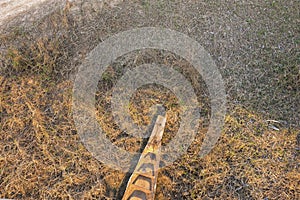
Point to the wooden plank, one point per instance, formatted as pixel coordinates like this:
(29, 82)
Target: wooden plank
(142, 183)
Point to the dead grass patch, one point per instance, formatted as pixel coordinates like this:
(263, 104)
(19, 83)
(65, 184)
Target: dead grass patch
(42, 157)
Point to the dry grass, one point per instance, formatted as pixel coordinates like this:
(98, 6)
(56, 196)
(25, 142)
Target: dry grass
(254, 44)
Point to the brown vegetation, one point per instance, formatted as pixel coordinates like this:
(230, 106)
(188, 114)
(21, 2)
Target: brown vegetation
(256, 47)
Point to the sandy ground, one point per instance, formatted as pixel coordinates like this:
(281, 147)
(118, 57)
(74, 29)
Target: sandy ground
(23, 10)
(26, 12)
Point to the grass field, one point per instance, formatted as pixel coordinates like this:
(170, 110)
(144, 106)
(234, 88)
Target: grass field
(255, 45)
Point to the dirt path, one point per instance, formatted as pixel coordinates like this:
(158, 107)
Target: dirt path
(29, 11)
(23, 10)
